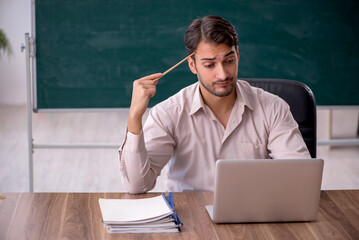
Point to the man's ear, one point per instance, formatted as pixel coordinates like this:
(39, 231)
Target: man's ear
(237, 48)
(192, 65)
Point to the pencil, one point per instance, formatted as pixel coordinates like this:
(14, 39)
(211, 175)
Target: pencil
(174, 66)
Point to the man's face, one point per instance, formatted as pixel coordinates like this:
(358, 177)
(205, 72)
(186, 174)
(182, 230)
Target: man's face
(216, 67)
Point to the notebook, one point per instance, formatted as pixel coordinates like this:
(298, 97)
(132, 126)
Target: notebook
(266, 190)
(145, 215)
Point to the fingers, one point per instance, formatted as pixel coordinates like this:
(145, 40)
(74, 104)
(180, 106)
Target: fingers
(151, 77)
(143, 89)
(147, 85)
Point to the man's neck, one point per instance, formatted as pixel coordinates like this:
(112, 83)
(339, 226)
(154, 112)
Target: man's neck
(220, 106)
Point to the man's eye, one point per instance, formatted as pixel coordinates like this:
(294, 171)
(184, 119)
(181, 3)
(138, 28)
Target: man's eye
(209, 65)
(231, 60)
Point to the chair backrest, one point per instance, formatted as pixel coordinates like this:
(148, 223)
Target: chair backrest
(301, 102)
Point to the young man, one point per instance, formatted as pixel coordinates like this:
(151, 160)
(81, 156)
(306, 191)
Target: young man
(216, 118)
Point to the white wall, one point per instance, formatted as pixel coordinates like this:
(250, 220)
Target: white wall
(15, 21)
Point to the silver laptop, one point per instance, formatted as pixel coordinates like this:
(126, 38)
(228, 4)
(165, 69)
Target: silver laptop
(266, 190)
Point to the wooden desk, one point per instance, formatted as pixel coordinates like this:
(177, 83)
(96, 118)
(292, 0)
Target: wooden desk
(78, 216)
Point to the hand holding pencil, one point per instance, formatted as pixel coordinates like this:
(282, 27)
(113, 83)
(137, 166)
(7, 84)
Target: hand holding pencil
(144, 89)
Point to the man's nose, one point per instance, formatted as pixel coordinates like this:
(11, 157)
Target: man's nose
(221, 73)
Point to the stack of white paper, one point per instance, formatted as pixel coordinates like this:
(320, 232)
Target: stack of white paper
(154, 214)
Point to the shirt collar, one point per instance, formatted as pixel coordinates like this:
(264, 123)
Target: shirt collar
(197, 102)
(243, 98)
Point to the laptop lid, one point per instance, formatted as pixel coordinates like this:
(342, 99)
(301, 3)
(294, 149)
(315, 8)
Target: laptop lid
(266, 190)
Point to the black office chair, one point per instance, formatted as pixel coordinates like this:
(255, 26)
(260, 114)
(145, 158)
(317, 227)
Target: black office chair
(301, 102)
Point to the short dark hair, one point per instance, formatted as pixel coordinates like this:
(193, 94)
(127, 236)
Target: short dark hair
(212, 29)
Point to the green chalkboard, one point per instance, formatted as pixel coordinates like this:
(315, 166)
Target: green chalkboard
(89, 52)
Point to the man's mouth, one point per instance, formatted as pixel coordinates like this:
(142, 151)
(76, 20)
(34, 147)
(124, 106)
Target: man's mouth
(223, 83)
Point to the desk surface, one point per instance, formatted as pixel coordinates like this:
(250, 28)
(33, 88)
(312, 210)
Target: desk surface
(78, 216)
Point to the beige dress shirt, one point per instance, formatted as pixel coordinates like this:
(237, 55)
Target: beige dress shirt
(183, 133)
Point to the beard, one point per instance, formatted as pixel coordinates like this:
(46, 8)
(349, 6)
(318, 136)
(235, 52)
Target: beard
(212, 90)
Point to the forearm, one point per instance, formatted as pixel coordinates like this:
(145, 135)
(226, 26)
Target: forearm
(134, 124)
(143, 89)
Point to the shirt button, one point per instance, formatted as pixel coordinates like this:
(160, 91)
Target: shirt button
(257, 146)
(121, 167)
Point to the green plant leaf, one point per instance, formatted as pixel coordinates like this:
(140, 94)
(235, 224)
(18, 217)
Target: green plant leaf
(5, 46)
